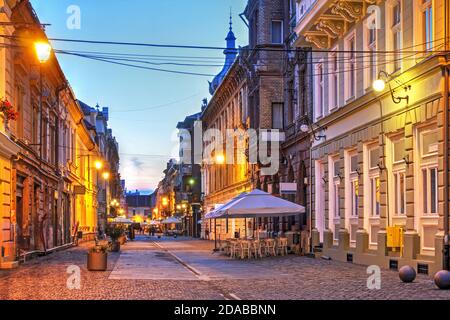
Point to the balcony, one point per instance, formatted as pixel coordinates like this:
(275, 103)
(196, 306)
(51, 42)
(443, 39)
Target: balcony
(321, 22)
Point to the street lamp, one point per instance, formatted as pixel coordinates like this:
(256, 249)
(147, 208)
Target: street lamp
(307, 126)
(43, 51)
(98, 164)
(106, 175)
(220, 159)
(380, 84)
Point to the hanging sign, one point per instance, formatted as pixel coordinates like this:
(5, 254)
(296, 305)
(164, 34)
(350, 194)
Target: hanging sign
(288, 188)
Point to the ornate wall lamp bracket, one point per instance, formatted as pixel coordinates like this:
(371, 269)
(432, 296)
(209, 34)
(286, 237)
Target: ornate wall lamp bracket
(380, 84)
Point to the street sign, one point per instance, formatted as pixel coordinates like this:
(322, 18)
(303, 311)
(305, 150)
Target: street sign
(288, 188)
(79, 190)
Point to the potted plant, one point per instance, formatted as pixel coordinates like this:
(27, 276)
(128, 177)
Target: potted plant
(7, 112)
(97, 259)
(115, 233)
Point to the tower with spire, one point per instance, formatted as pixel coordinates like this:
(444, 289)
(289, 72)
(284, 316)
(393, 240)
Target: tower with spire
(230, 55)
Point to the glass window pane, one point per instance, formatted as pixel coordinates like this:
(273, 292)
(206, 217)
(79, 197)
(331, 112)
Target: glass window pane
(374, 158)
(277, 32)
(399, 150)
(425, 190)
(433, 192)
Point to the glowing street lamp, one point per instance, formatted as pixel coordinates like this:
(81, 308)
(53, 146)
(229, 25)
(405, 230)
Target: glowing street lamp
(379, 85)
(98, 165)
(220, 159)
(106, 175)
(43, 51)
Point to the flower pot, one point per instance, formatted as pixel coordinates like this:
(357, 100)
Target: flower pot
(115, 246)
(97, 261)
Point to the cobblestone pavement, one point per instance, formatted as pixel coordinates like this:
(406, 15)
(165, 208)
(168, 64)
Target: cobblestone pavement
(186, 269)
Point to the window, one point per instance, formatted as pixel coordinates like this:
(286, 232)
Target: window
(399, 176)
(374, 180)
(336, 184)
(375, 193)
(351, 67)
(428, 145)
(277, 116)
(400, 192)
(333, 76)
(374, 158)
(430, 187)
(371, 47)
(426, 9)
(354, 184)
(396, 34)
(319, 90)
(277, 32)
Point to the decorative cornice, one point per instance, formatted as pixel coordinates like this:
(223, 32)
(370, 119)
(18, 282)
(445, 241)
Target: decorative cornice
(319, 38)
(333, 25)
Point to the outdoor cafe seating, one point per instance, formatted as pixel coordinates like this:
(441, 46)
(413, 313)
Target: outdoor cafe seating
(252, 205)
(255, 248)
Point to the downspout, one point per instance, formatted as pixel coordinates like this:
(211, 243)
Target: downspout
(446, 142)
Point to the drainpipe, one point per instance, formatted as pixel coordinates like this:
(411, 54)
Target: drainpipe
(446, 143)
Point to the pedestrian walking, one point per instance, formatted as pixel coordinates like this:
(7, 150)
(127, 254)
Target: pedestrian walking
(206, 233)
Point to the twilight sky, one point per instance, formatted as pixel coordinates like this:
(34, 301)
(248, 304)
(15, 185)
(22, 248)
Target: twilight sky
(145, 106)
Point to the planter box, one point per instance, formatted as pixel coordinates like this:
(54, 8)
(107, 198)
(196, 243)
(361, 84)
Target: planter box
(97, 261)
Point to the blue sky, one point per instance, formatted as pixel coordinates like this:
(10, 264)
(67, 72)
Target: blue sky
(147, 137)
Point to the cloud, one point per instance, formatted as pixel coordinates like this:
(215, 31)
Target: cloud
(137, 164)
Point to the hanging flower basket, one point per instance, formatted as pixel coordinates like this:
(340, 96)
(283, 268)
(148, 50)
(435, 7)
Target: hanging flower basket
(8, 110)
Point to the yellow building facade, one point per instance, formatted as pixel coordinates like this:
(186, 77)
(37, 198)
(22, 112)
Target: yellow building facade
(380, 170)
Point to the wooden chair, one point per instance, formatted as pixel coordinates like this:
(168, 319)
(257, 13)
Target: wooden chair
(246, 250)
(257, 249)
(271, 246)
(282, 247)
(235, 249)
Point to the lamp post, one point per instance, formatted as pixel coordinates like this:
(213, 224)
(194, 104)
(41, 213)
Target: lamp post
(43, 51)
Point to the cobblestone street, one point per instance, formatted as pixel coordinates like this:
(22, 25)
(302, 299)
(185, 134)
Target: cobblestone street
(186, 269)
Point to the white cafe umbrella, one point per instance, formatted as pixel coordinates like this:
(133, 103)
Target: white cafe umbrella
(154, 222)
(171, 220)
(216, 212)
(122, 220)
(258, 204)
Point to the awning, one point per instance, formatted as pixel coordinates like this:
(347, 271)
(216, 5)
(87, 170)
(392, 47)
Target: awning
(256, 204)
(171, 220)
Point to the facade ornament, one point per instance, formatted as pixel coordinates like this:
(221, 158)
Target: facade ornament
(319, 38)
(333, 25)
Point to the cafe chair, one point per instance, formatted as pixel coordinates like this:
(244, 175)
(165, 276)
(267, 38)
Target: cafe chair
(271, 247)
(246, 250)
(282, 246)
(257, 249)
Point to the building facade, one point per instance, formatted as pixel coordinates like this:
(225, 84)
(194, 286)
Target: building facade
(139, 207)
(48, 178)
(380, 166)
(189, 186)
(224, 179)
